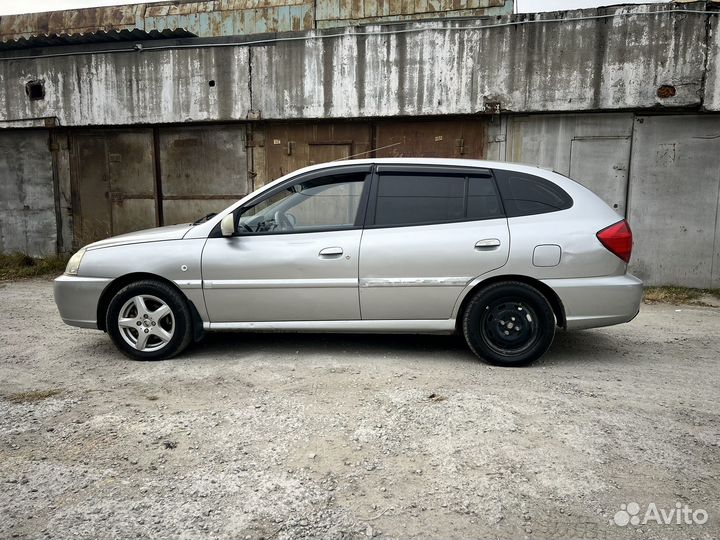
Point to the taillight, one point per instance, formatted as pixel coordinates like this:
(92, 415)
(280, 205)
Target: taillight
(617, 239)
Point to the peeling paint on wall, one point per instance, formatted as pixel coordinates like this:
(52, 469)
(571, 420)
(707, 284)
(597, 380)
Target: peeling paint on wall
(131, 88)
(418, 69)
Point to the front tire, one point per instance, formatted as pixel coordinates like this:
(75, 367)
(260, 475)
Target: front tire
(149, 320)
(509, 324)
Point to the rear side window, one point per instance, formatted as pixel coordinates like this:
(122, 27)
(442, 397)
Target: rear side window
(426, 198)
(526, 195)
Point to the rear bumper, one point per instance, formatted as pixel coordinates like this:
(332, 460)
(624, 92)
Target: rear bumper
(599, 301)
(77, 299)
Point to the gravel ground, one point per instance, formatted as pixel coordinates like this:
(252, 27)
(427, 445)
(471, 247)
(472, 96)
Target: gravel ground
(333, 436)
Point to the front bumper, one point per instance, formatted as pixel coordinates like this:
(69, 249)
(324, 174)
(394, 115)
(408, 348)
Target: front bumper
(598, 301)
(77, 299)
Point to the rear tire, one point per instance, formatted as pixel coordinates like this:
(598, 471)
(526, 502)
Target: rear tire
(509, 324)
(149, 320)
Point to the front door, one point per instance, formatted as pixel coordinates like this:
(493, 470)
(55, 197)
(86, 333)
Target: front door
(294, 256)
(430, 232)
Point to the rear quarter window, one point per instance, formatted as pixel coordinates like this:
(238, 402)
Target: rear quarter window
(527, 195)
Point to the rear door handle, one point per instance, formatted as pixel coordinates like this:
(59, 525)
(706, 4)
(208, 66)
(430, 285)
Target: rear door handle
(487, 243)
(331, 252)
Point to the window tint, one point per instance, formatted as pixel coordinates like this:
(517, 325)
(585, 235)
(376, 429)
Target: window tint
(326, 203)
(483, 201)
(525, 195)
(422, 198)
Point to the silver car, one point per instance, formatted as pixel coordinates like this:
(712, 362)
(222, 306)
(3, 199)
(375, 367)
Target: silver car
(501, 253)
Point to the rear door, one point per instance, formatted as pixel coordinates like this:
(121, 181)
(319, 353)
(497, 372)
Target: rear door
(429, 232)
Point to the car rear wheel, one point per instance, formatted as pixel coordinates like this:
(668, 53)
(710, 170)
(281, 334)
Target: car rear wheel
(509, 324)
(149, 320)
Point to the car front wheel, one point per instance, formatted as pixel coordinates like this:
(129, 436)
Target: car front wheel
(149, 320)
(509, 324)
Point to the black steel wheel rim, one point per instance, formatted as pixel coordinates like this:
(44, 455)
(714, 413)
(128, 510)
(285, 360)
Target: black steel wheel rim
(509, 326)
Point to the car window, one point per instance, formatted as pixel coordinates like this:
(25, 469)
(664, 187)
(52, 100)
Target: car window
(325, 203)
(424, 198)
(525, 194)
(483, 200)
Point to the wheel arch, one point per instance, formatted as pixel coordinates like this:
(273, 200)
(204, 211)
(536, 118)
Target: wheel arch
(551, 296)
(123, 281)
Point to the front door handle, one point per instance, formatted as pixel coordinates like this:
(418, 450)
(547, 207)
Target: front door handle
(487, 243)
(331, 252)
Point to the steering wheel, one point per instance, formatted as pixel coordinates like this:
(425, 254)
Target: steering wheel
(282, 222)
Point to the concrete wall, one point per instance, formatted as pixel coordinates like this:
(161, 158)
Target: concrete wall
(527, 64)
(131, 88)
(712, 82)
(456, 68)
(675, 199)
(27, 201)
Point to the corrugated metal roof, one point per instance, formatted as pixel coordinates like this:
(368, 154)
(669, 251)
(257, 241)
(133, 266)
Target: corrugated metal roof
(101, 36)
(219, 18)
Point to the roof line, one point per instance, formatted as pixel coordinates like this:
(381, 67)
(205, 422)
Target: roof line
(313, 36)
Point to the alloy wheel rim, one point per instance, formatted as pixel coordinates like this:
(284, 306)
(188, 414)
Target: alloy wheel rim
(146, 323)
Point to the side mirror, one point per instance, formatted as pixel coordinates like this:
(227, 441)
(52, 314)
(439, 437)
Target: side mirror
(227, 225)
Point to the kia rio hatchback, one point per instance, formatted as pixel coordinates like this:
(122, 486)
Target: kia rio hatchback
(500, 253)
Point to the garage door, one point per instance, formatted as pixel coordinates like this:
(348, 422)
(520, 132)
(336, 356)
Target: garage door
(113, 183)
(291, 146)
(451, 138)
(593, 149)
(204, 169)
(601, 164)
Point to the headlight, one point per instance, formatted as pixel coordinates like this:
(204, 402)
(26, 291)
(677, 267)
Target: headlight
(74, 263)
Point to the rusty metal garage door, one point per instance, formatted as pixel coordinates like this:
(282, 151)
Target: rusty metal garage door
(203, 169)
(289, 147)
(447, 138)
(113, 182)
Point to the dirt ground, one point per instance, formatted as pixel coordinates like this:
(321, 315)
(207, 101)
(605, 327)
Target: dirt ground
(335, 436)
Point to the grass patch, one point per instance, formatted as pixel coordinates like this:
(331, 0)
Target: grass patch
(679, 295)
(32, 396)
(21, 266)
